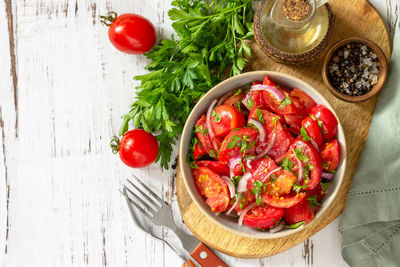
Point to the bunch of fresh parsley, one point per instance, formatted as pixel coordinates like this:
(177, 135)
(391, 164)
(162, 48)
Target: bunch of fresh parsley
(182, 70)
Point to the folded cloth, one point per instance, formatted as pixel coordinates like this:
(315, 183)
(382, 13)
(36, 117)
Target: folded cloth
(371, 219)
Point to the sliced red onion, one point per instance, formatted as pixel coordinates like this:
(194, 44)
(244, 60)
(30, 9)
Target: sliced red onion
(260, 128)
(208, 119)
(225, 97)
(242, 185)
(230, 185)
(268, 148)
(269, 174)
(245, 211)
(235, 204)
(233, 162)
(270, 89)
(300, 175)
(314, 144)
(248, 162)
(277, 228)
(327, 175)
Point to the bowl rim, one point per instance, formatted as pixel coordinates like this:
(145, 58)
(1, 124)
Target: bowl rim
(187, 130)
(383, 71)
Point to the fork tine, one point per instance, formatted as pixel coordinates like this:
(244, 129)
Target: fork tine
(149, 190)
(148, 214)
(141, 201)
(154, 203)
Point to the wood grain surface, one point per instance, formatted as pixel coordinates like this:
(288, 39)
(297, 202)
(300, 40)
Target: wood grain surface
(358, 19)
(63, 88)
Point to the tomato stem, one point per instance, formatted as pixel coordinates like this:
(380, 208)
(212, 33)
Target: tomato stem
(108, 19)
(114, 144)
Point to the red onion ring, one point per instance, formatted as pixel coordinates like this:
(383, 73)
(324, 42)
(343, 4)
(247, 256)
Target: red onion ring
(269, 174)
(260, 128)
(235, 204)
(270, 89)
(327, 175)
(268, 148)
(314, 144)
(208, 119)
(242, 185)
(277, 228)
(230, 185)
(245, 211)
(233, 162)
(300, 175)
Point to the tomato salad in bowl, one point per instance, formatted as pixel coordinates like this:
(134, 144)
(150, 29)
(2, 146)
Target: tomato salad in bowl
(264, 155)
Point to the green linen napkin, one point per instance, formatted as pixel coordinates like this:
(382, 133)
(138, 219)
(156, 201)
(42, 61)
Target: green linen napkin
(371, 219)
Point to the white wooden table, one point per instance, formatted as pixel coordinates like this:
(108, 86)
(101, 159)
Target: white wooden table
(63, 88)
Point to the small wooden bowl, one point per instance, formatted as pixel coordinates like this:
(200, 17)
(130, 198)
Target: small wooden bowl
(383, 70)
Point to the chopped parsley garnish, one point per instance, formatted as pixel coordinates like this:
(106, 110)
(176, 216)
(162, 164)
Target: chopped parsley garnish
(304, 134)
(240, 200)
(275, 122)
(234, 140)
(273, 178)
(260, 115)
(193, 165)
(237, 92)
(286, 164)
(301, 156)
(239, 106)
(243, 142)
(306, 169)
(297, 187)
(332, 171)
(212, 153)
(325, 186)
(236, 179)
(258, 189)
(312, 201)
(199, 129)
(295, 225)
(216, 116)
(324, 165)
(319, 122)
(250, 103)
(285, 102)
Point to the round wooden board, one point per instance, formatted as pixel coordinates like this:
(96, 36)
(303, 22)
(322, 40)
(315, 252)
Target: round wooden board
(357, 18)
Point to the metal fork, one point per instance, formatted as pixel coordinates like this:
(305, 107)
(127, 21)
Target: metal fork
(160, 213)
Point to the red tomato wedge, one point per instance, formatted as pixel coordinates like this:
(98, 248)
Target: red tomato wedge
(216, 166)
(294, 122)
(272, 124)
(285, 201)
(260, 168)
(280, 183)
(254, 99)
(263, 217)
(234, 100)
(313, 130)
(225, 118)
(247, 198)
(303, 211)
(327, 119)
(211, 185)
(204, 138)
(311, 161)
(307, 101)
(198, 151)
(236, 141)
(330, 154)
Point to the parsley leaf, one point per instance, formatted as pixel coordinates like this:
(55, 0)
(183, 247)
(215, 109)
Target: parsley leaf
(260, 115)
(237, 92)
(312, 201)
(249, 103)
(183, 68)
(212, 153)
(295, 225)
(297, 187)
(258, 189)
(301, 156)
(286, 164)
(325, 186)
(216, 116)
(275, 122)
(236, 179)
(285, 102)
(304, 134)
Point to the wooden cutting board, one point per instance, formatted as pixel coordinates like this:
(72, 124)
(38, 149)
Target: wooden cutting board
(353, 18)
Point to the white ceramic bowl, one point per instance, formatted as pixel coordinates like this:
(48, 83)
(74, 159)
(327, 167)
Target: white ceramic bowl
(219, 90)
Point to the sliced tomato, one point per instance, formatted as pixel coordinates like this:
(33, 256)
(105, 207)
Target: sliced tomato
(254, 99)
(225, 118)
(311, 161)
(307, 101)
(198, 151)
(204, 138)
(272, 125)
(234, 99)
(217, 166)
(211, 185)
(232, 144)
(313, 130)
(294, 123)
(330, 154)
(246, 199)
(305, 209)
(280, 183)
(285, 201)
(260, 168)
(263, 217)
(327, 120)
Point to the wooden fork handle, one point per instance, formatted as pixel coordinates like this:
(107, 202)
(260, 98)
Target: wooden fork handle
(206, 257)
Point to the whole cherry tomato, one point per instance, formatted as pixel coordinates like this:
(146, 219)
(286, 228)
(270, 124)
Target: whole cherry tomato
(137, 148)
(130, 33)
